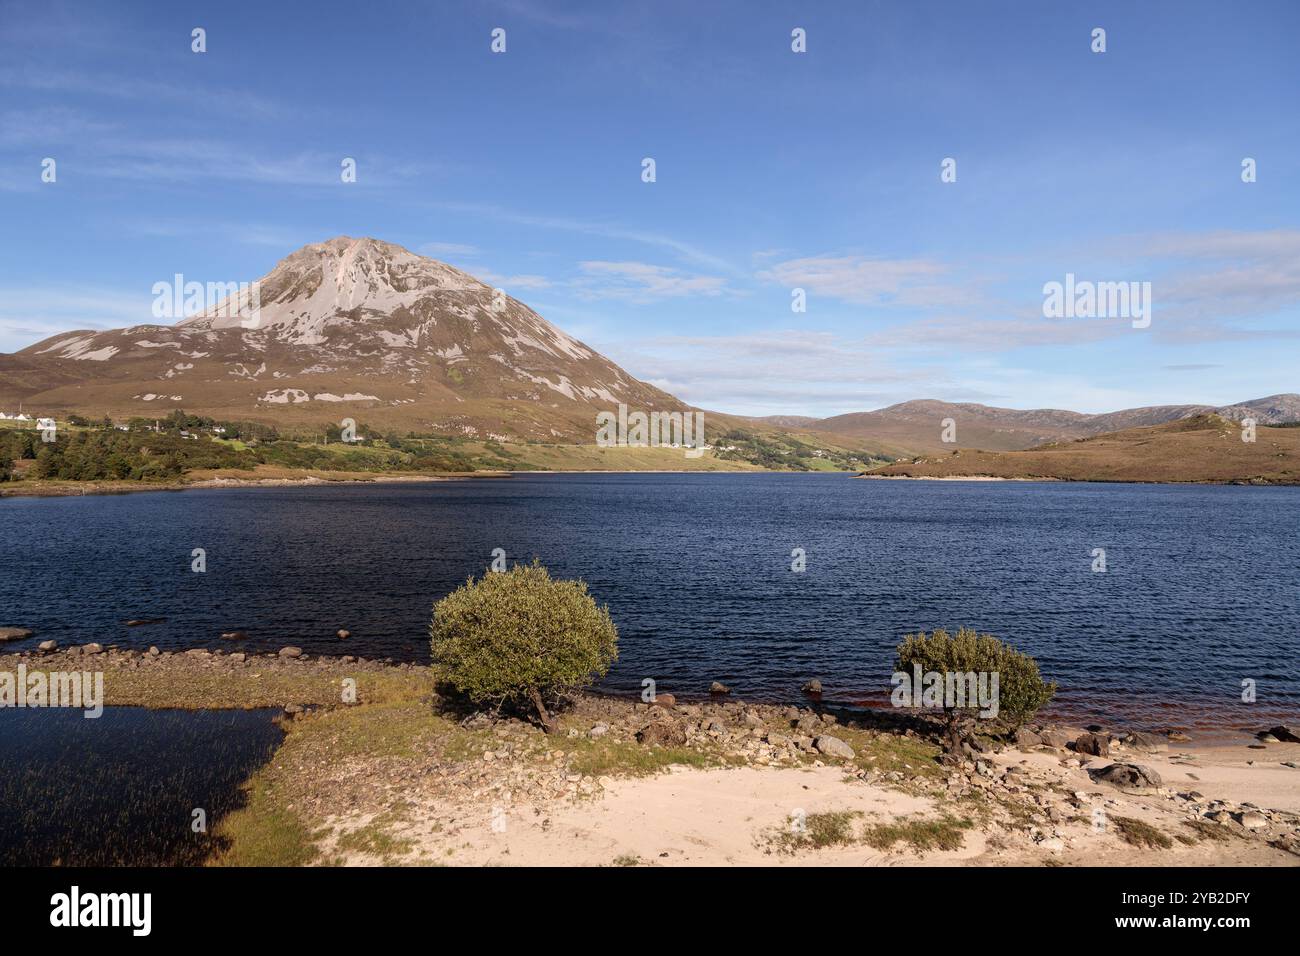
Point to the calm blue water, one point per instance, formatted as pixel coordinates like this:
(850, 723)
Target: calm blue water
(121, 789)
(1203, 586)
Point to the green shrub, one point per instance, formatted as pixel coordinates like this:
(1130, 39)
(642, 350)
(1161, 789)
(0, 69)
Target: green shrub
(519, 638)
(1021, 689)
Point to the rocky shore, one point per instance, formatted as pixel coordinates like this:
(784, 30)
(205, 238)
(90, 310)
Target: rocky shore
(376, 768)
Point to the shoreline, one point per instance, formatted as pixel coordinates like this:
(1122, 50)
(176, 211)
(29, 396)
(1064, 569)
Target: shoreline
(76, 489)
(396, 776)
(1202, 721)
(1045, 479)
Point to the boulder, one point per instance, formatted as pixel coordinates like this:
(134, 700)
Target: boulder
(239, 657)
(47, 645)
(1287, 734)
(813, 686)
(1094, 744)
(1027, 739)
(1127, 776)
(1056, 739)
(598, 731)
(235, 636)
(92, 648)
(717, 687)
(666, 701)
(833, 747)
(290, 653)
(344, 634)
(14, 633)
(1147, 743)
(808, 723)
(662, 733)
(154, 652)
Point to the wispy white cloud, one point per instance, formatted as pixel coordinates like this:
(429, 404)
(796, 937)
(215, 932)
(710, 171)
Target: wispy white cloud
(436, 250)
(642, 282)
(31, 313)
(605, 230)
(872, 281)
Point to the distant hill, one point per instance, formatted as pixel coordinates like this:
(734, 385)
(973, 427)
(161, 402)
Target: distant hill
(917, 426)
(1202, 448)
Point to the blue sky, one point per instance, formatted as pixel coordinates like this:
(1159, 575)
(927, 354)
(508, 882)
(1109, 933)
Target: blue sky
(775, 170)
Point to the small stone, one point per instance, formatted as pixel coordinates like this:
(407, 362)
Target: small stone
(239, 657)
(1252, 820)
(813, 686)
(666, 701)
(292, 709)
(235, 636)
(598, 731)
(154, 652)
(47, 645)
(344, 634)
(717, 687)
(290, 653)
(92, 648)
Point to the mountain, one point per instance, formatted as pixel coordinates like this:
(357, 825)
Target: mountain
(917, 426)
(346, 328)
(364, 329)
(1200, 448)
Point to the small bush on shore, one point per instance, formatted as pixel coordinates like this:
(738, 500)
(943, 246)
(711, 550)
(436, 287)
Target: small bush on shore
(1021, 689)
(520, 638)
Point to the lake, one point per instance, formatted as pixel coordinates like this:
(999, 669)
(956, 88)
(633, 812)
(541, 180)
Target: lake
(1199, 593)
(122, 789)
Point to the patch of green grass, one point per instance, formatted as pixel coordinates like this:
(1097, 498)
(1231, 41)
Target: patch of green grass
(264, 833)
(817, 831)
(945, 833)
(185, 685)
(376, 841)
(268, 830)
(1138, 833)
(626, 758)
(830, 829)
